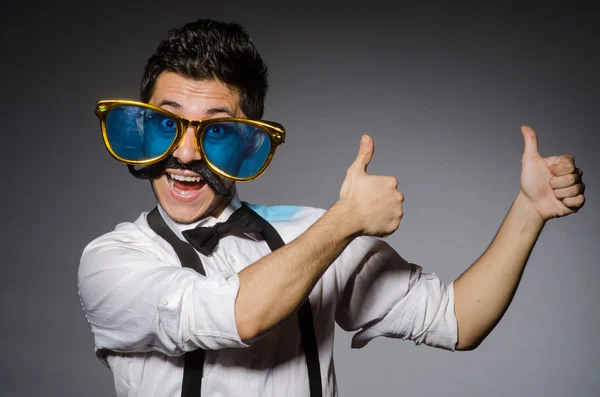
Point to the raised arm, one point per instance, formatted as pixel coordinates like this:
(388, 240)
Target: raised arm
(550, 188)
(272, 288)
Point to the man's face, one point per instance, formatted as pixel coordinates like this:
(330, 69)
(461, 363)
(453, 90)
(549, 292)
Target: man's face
(186, 202)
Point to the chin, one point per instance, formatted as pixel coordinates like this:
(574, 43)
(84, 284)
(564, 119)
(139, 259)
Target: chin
(186, 205)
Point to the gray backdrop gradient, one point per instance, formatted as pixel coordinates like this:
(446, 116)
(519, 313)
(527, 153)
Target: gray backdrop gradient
(442, 89)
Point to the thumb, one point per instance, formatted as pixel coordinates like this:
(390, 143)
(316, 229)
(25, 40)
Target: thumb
(531, 142)
(365, 153)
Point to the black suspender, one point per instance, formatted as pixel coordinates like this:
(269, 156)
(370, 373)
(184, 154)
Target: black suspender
(194, 360)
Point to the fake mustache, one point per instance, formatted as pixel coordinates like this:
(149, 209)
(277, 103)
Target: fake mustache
(199, 167)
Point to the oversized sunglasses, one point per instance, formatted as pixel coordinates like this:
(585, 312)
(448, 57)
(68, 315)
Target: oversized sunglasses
(138, 133)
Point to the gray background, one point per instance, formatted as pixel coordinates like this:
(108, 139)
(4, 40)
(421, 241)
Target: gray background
(441, 88)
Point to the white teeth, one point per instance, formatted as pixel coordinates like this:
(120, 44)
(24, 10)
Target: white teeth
(185, 178)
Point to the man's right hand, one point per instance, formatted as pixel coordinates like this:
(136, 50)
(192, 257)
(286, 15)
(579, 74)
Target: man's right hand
(372, 203)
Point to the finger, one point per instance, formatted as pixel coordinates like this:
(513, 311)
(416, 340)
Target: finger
(384, 181)
(365, 153)
(531, 142)
(562, 168)
(565, 158)
(400, 198)
(571, 191)
(392, 182)
(574, 203)
(559, 182)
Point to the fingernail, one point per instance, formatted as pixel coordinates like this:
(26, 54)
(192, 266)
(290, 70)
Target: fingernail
(364, 141)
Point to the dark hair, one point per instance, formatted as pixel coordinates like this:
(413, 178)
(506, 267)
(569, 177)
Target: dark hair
(212, 50)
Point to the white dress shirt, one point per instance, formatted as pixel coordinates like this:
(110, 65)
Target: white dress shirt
(146, 310)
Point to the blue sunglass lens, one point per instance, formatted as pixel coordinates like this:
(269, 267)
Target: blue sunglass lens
(137, 133)
(236, 148)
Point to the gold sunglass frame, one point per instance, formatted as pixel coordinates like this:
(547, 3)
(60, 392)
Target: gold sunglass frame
(274, 130)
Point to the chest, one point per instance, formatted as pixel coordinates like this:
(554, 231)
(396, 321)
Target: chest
(233, 254)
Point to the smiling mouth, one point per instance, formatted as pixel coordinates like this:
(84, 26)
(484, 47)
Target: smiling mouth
(185, 185)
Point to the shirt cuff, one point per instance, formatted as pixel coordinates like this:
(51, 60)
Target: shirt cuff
(199, 312)
(424, 316)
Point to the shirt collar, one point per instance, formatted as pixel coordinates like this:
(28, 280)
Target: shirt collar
(208, 221)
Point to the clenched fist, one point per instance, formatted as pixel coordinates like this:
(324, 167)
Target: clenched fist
(374, 202)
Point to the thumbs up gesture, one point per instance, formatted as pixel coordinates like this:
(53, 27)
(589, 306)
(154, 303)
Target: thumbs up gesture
(552, 184)
(374, 202)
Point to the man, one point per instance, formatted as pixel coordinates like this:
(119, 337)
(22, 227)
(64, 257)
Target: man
(232, 318)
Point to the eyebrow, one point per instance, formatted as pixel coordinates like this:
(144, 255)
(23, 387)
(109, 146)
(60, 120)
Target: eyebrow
(209, 112)
(213, 111)
(169, 103)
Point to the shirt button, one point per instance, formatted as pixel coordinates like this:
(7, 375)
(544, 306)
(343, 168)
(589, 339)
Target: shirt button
(231, 258)
(162, 301)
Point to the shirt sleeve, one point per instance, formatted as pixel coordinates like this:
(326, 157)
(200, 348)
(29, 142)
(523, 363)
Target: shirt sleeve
(383, 295)
(137, 300)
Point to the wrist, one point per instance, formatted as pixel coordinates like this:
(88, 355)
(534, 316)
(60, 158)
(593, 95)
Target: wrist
(528, 209)
(344, 217)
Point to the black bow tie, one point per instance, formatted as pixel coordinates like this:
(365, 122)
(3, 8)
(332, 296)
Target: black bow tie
(205, 239)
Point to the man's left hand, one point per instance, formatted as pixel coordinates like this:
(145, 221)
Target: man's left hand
(552, 184)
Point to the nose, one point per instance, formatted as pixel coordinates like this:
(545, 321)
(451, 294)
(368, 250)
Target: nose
(187, 151)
